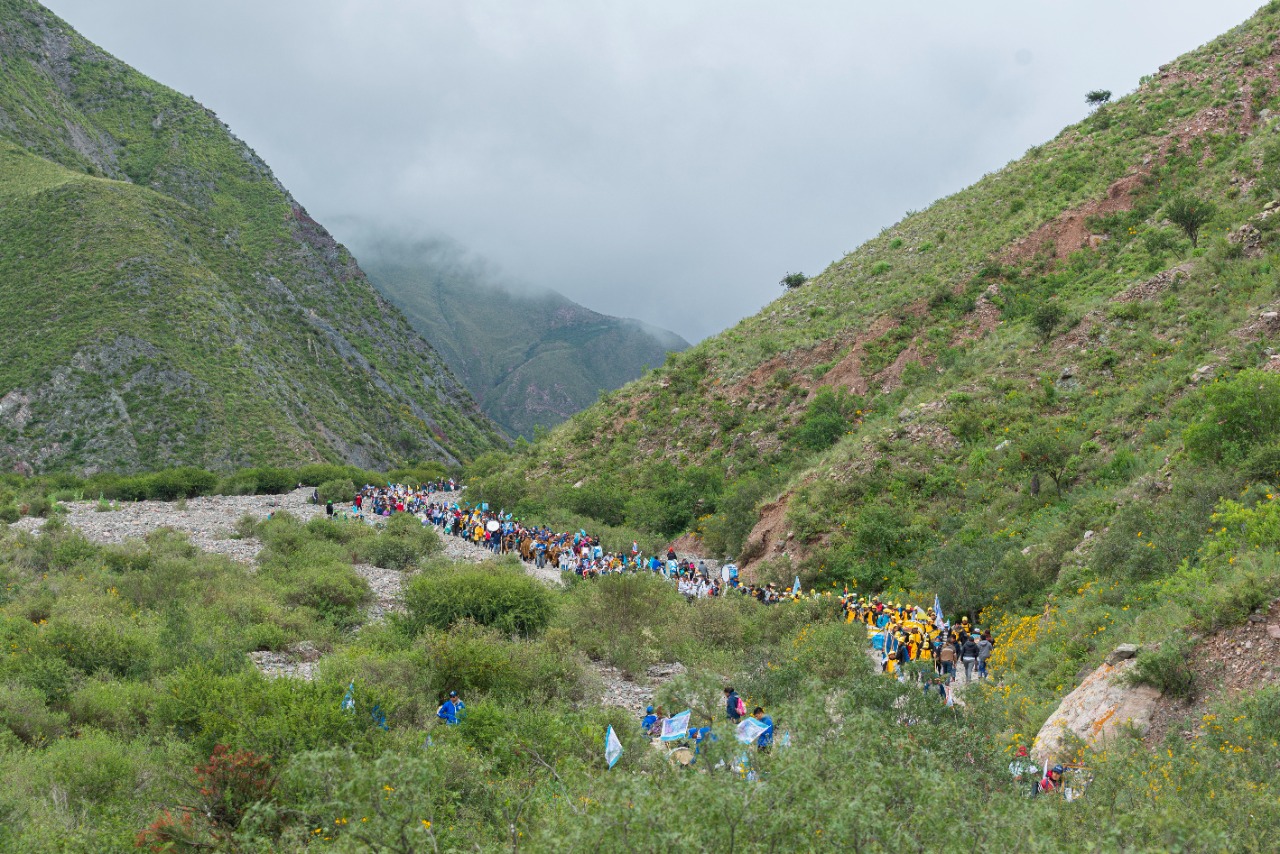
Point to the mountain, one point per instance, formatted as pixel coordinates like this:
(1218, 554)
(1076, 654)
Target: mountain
(1037, 396)
(167, 301)
(532, 359)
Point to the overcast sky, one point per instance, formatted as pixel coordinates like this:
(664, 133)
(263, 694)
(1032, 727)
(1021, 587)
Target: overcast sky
(667, 160)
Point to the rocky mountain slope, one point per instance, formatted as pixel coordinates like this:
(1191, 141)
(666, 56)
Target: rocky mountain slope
(167, 301)
(532, 359)
(1039, 393)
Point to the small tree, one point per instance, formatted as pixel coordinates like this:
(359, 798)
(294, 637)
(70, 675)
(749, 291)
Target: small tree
(1190, 215)
(1046, 316)
(1054, 455)
(793, 280)
(1097, 97)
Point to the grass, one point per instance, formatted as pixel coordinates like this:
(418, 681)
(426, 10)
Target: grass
(166, 303)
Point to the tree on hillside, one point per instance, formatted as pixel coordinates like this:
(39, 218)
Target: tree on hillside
(1190, 215)
(1046, 316)
(793, 280)
(1097, 97)
(1052, 454)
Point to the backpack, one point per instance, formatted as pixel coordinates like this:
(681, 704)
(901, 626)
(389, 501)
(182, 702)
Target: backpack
(739, 708)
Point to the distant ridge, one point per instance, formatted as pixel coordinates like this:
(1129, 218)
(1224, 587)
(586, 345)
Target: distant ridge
(532, 359)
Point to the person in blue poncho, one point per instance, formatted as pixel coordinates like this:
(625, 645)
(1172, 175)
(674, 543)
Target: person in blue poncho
(452, 709)
(765, 741)
(649, 719)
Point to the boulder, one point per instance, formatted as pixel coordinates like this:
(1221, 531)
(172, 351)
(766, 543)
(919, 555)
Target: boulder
(1122, 652)
(1097, 712)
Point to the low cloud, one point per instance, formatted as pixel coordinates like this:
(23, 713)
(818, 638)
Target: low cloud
(668, 161)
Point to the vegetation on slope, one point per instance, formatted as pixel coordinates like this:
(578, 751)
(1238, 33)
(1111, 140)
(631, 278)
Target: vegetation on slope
(1041, 395)
(1016, 360)
(129, 714)
(531, 359)
(168, 302)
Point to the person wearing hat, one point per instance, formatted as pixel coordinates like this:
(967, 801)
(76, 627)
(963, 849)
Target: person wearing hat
(647, 722)
(1022, 768)
(1052, 781)
(451, 709)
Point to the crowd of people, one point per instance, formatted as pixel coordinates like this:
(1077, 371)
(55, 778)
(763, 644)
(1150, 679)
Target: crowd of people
(910, 638)
(574, 551)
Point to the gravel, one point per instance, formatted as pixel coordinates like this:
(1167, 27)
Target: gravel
(210, 521)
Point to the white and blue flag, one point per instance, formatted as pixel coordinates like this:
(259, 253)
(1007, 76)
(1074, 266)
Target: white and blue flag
(676, 727)
(612, 747)
(349, 699)
(749, 730)
(795, 588)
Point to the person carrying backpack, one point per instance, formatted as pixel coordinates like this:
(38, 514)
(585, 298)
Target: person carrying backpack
(734, 708)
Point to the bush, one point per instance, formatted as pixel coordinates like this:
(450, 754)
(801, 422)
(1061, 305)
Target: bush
(337, 491)
(1235, 417)
(180, 483)
(1190, 215)
(24, 713)
(626, 620)
(1166, 669)
(826, 419)
(490, 595)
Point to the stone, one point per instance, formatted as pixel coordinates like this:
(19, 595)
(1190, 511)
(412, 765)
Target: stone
(1100, 710)
(1121, 653)
(1269, 316)
(1002, 445)
(1273, 631)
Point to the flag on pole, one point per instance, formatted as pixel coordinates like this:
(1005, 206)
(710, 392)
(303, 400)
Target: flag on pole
(749, 730)
(795, 588)
(676, 727)
(612, 747)
(937, 611)
(349, 699)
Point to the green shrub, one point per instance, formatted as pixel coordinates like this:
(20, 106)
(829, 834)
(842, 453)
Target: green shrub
(827, 418)
(180, 483)
(400, 545)
(24, 713)
(246, 710)
(337, 491)
(1166, 669)
(627, 620)
(1235, 417)
(490, 595)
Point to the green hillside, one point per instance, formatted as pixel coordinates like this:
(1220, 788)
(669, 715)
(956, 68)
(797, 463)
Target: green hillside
(168, 302)
(531, 359)
(1049, 400)
(1040, 388)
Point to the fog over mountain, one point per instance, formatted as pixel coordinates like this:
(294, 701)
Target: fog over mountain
(668, 161)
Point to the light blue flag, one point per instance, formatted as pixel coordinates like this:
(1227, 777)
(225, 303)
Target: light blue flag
(676, 727)
(795, 588)
(349, 699)
(749, 730)
(612, 747)
(379, 718)
(937, 611)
